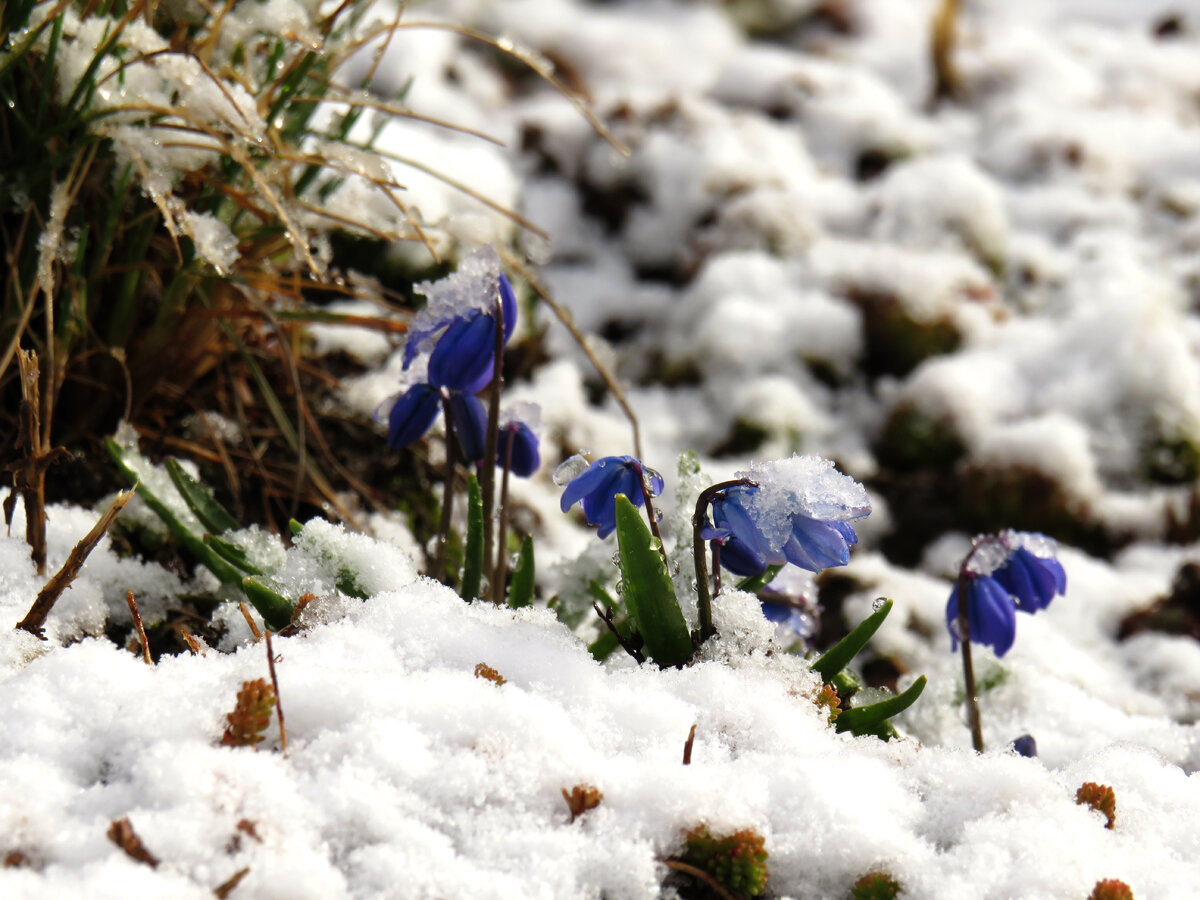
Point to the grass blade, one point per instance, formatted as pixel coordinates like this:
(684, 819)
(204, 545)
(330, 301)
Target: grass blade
(473, 559)
(839, 655)
(200, 500)
(520, 590)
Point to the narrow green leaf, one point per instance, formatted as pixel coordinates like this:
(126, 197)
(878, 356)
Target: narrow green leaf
(295, 527)
(191, 542)
(347, 583)
(231, 553)
(200, 500)
(839, 655)
(520, 590)
(473, 557)
(862, 720)
(649, 595)
(275, 609)
(755, 583)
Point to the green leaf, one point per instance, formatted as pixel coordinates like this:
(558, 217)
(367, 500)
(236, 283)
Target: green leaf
(275, 609)
(861, 720)
(520, 590)
(212, 515)
(191, 542)
(604, 646)
(755, 583)
(839, 655)
(473, 558)
(649, 595)
(231, 553)
(295, 527)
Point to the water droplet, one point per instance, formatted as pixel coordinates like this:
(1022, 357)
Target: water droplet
(878, 604)
(620, 587)
(569, 469)
(616, 559)
(653, 478)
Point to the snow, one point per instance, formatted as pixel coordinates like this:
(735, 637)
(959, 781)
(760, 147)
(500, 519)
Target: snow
(724, 270)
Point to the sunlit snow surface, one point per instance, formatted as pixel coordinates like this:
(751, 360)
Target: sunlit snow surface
(407, 776)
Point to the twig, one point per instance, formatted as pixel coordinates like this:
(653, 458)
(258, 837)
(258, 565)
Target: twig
(35, 619)
(121, 833)
(564, 315)
(278, 700)
(687, 746)
(141, 630)
(487, 468)
(606, 616)
(713, 885)
(947, 83)
(223, 890)
(250, 621)
(501, 568)
(439, 554)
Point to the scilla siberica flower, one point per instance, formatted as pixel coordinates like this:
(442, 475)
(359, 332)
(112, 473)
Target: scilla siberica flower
(795, 510)
(457, 329)
(1002, 574)
(597, 487)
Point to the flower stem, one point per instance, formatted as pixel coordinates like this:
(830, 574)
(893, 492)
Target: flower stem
(487, 471)
(652, 516)
(439, 558)
(703, 596)
(964, 638)
(502, 525)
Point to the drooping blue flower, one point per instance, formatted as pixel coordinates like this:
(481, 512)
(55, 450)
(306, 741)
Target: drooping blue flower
(520, 445)
(790, 616)
(1033, 581)
(990, 611)
(800, 518)
(508, 306)
(745, 551)
(1025, 746)
(463, 357)
(468, 421)
(412, 415)
(597, 487)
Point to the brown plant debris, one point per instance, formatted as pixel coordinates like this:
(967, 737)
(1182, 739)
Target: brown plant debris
(35, 619)
(582, 798)
(246, 726)
(225, 889)
(141, 629)
(483, 670)
(687, 746)
(1111, 889)
(15, 859)
(1099, 797)
(121, 833)
(275, 689)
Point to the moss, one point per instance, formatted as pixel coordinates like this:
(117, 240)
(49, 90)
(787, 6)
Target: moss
(912, 439)
(896, 343)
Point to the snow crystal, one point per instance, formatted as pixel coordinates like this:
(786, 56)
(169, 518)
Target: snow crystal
(215, 243)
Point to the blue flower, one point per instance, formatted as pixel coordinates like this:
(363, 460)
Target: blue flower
(1033, 581)
(412, 415)
(508, 306)
(463, 357)
(597, 487)
(790, 616)
(745, 551)
(1025, 746)
(468, 420)
(808, 542)
(990, 611)
(520, 445)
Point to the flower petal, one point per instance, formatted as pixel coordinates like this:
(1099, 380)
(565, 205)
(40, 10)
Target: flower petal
(463, 355)
(468, 419)
(816, 545)
(412, 415)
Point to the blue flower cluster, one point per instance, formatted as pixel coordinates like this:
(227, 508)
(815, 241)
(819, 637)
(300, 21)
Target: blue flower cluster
(812, 544)
(596, 489)
(1020, 573)
(460, 364)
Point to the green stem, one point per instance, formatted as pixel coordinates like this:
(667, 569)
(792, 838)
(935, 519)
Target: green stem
(964, 639)
(703, 596)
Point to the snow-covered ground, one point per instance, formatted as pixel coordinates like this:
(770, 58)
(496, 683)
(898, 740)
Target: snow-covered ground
(1031, 254)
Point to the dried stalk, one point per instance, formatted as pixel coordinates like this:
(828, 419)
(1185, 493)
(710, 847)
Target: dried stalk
(35, 619)
(141, 629)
